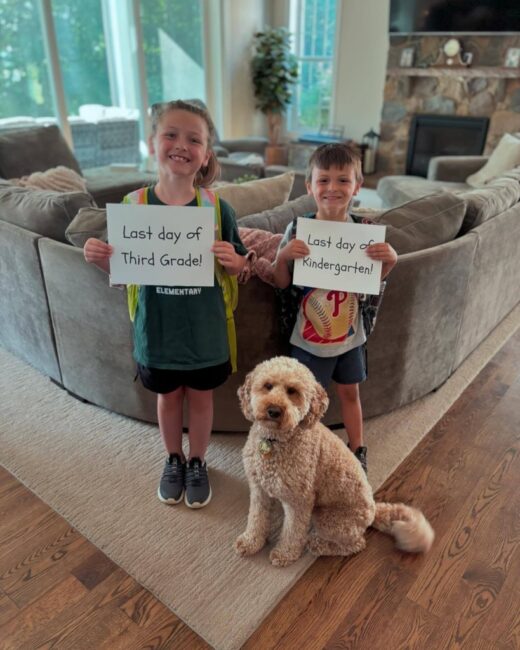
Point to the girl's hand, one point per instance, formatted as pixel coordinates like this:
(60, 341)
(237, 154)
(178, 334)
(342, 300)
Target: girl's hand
(96, 251)
(383, 252)
(294, 250)
(228, 257)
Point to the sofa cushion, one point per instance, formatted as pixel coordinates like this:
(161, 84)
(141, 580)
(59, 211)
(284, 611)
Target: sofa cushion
(34, 150)
(497, 196)
(44, 212)
(396, 190)
(505, 156)
(423, 223)
(92, 222)
(256, 196)
(89, 222)
(276, 219)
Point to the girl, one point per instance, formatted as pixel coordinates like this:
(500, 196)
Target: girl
(180, 337)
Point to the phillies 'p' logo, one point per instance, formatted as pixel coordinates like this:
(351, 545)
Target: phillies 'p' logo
(337, 297)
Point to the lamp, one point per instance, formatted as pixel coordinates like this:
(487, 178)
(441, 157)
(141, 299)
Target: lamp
(370, 142)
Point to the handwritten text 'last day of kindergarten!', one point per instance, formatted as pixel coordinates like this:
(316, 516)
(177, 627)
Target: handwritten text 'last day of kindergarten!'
(338, 258)
(161, 245)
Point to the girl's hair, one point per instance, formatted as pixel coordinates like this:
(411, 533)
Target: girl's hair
(335, 155)
(206, 175)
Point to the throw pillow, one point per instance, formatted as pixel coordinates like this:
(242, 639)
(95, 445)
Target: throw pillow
(34, 150)
(58, 179)
(258, 195)
(276, 219)
(43, 212)
(504, 157)
(89, 222)
(497, 196)
(423, 223)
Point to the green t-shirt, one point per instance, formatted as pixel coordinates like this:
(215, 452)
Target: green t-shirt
(184, 328)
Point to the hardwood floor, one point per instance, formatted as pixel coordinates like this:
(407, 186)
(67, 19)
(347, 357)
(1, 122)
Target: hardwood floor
(59, 591)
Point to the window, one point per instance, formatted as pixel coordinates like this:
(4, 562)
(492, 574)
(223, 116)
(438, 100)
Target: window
(24, 82)
(314, 24)
(107, 74)
(82, 52)
(173, 47)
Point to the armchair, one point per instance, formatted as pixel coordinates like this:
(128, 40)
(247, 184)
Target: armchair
(444, 173)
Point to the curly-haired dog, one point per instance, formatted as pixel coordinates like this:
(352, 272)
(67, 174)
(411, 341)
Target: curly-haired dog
(290, 456)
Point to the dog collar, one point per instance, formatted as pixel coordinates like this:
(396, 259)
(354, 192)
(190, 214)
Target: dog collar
(265, 446)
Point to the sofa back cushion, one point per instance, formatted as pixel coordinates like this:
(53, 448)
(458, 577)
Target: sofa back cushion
(89, 222)
(258, 195)
(34, 150)
(276, 219)
(423, 223)
(44, 212)
(497, 196)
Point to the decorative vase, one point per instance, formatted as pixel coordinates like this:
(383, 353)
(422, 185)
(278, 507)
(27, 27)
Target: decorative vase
(276, 154)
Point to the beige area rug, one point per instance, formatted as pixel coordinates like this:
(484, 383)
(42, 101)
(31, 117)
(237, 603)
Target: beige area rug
(100, 472)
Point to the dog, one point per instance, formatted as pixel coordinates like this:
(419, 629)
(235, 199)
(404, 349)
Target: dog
(291, 457)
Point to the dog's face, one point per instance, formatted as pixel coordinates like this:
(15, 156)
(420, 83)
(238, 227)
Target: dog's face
(281, 394)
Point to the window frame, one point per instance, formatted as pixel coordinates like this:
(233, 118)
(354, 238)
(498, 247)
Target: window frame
(296, 9)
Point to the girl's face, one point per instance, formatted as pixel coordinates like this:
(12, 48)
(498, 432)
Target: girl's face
(180, 143)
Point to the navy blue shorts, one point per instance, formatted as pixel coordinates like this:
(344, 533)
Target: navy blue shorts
(165, 380)
(347, 368)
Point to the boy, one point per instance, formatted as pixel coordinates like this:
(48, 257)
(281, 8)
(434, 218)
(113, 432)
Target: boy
(333, 178)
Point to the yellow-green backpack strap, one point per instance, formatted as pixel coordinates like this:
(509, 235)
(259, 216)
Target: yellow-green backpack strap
(138, 197)
(228, 283)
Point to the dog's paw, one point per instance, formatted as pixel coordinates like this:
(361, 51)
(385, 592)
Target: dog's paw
(245, 545)
(282, 558)
(314, 546)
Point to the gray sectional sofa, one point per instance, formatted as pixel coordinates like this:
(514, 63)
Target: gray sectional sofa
(455, 280)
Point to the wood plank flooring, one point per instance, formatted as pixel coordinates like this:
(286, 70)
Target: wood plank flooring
(59, 591)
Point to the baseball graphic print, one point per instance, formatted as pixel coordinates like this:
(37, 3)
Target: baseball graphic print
(329, 316)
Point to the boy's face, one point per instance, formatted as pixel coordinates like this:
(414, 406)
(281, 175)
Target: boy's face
(333, 190)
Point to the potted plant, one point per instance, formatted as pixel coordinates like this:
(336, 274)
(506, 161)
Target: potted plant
(274, 71)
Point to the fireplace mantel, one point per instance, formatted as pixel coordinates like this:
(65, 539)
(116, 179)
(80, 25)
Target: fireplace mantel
(458, 72)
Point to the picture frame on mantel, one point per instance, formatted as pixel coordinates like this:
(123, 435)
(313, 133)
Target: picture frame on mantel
(407, 57)
(512, 58)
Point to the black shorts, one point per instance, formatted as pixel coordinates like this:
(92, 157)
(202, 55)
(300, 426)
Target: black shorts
(347, 368)
(165, 380)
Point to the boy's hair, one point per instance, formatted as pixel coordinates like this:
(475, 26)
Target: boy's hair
(206, 175)
(337, 154)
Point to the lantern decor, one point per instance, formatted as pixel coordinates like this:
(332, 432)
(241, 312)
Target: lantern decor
(369, 145)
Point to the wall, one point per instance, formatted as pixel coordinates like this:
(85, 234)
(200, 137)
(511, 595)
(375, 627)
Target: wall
(361, 65)
(486, 89)
(239, 21)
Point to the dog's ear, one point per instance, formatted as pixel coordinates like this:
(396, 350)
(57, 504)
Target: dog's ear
(319, 404)
(244, 396)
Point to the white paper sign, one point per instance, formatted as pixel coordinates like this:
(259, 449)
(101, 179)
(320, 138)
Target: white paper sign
(338, 259)
(161, 245)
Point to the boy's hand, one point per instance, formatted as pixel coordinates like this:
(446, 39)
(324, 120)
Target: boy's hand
(383, 252)
(97, 252)
(294, 250)
(226, 254)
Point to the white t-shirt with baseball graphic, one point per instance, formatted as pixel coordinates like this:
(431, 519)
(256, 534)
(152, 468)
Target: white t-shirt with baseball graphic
(329, 322)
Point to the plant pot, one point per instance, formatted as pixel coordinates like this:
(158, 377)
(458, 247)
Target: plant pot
(276, 154)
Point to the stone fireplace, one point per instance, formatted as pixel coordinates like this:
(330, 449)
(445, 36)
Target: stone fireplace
(484, 89)
(443, 135)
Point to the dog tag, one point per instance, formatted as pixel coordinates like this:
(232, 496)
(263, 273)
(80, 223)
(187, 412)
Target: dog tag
(265, 447)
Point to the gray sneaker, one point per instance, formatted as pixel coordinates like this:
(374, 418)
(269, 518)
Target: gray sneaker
(361, 455)
(198, 489)
(171, 487)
